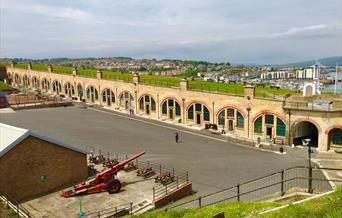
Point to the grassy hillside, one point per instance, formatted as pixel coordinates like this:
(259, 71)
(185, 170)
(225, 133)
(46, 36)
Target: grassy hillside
(329, 206)
(330, 61)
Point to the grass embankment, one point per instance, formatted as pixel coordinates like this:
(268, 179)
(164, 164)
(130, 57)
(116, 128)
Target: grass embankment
(6, 211)
(62, 69)
(232, 209)
(230, 88)
(327, 206)
(4, 86)
(268, 92)
(117, 76)
(160, 80)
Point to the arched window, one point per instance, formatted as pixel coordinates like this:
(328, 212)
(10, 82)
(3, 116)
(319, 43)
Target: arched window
(56, 87)
(198, 113)
(239, 120)
(281, 129)
(258, 125)
(126, 100)
(80, 91)
(108, 97)
(147, 104)
(171, 109)
(222, 118)
(35, 82)
(26, 81)
(230, 118)
(45, 85)
(92, 94)
(69, 89)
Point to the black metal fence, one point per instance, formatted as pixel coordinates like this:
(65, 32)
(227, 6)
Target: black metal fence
(273, 185)
(16, 207)
(118, 211)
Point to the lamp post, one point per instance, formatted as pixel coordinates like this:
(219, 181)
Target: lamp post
(306, 142)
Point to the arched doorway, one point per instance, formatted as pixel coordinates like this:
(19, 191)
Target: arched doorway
(17, 79)
(80, 91)
(229, 118)
(45, 85)
(69, 90)
(35, 82)
(92, 94)
(335, 138)
(56, 87)
(26, 81)
(126, 101)
(269, 126)
(147, 104)
(198, 113)
(108, 97)
(305, 130)
(171, 109)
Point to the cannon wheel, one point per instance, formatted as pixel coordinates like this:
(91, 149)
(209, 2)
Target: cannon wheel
(113, 186)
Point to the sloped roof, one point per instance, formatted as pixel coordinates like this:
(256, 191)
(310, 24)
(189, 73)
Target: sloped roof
(10, 136)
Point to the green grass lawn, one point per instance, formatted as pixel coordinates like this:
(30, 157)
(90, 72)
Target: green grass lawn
(86, 72)
(229, 88)
(62, 69)
(4, 86)
(117, 76)
(160, 80)
(6, 211)
(267, 92)
(329, 206)
(21, 66)
(40, 67)
(231, 210)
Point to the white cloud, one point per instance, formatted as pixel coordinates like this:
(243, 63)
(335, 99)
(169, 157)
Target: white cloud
(300, 30)
(49, 11)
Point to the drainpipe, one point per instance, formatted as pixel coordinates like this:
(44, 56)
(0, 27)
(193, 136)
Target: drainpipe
(248, 115)
(183, 112)
(158, 108)
(213, 112)
(289, 138)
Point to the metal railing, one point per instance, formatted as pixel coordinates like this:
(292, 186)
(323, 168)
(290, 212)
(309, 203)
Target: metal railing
(276, 184)
(118, 211)
(16, 207)
(163, 190)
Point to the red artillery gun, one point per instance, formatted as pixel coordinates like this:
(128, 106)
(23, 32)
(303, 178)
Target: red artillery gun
(105, 180)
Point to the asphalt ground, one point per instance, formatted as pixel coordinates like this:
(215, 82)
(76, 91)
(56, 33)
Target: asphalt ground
(212, 162)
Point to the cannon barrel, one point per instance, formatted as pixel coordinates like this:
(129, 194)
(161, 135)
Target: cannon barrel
(120, 165)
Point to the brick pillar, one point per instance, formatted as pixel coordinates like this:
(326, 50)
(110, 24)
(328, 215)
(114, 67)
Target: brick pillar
(29, 66)
(184, 84)
(99, 74)
(74, 71)
(50, 70)
(136, 78)
(249, 91)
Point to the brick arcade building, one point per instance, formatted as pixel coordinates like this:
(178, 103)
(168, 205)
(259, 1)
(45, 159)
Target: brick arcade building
(33, 165)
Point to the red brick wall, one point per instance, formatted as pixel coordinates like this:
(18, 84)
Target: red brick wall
(22, 167)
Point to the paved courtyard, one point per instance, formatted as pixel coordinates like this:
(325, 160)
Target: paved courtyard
(212, 163)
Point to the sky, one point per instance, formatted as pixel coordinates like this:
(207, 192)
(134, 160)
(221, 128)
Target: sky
(235, 31)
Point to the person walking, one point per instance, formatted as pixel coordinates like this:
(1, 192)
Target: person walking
(176, 137)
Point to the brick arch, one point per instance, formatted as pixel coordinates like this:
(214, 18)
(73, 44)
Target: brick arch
(296, 122)
(197, 102)
(125, 91)
(327, 131)
(170, 97)
(281, 117)
(142, 95)
(90, 85)
(239, 109)
(106, 87)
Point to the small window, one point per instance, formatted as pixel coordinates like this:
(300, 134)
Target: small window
(141, 104)
(239, 120)
(170, 102)
(147, 98)
(337, 137)
(206, 114)
(269, 119)
(113, 97)
(258, 125)
(191, 112)
(231, 113)
(164, 108)
(178, 109)
(153, 104)
(198, 108)
(221, 118)
(281, 129)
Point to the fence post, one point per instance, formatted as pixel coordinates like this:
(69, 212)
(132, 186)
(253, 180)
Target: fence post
(116, 212)
(177, 182)
(154, 194)
(238, 192)
(187, 176)
(173, 171)
(166, 189)
(18, 210)
(310, 181)
(137, 163)
(160, 168)
(282, 183)
(98, 214)
(131, 207)
(200, 201)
